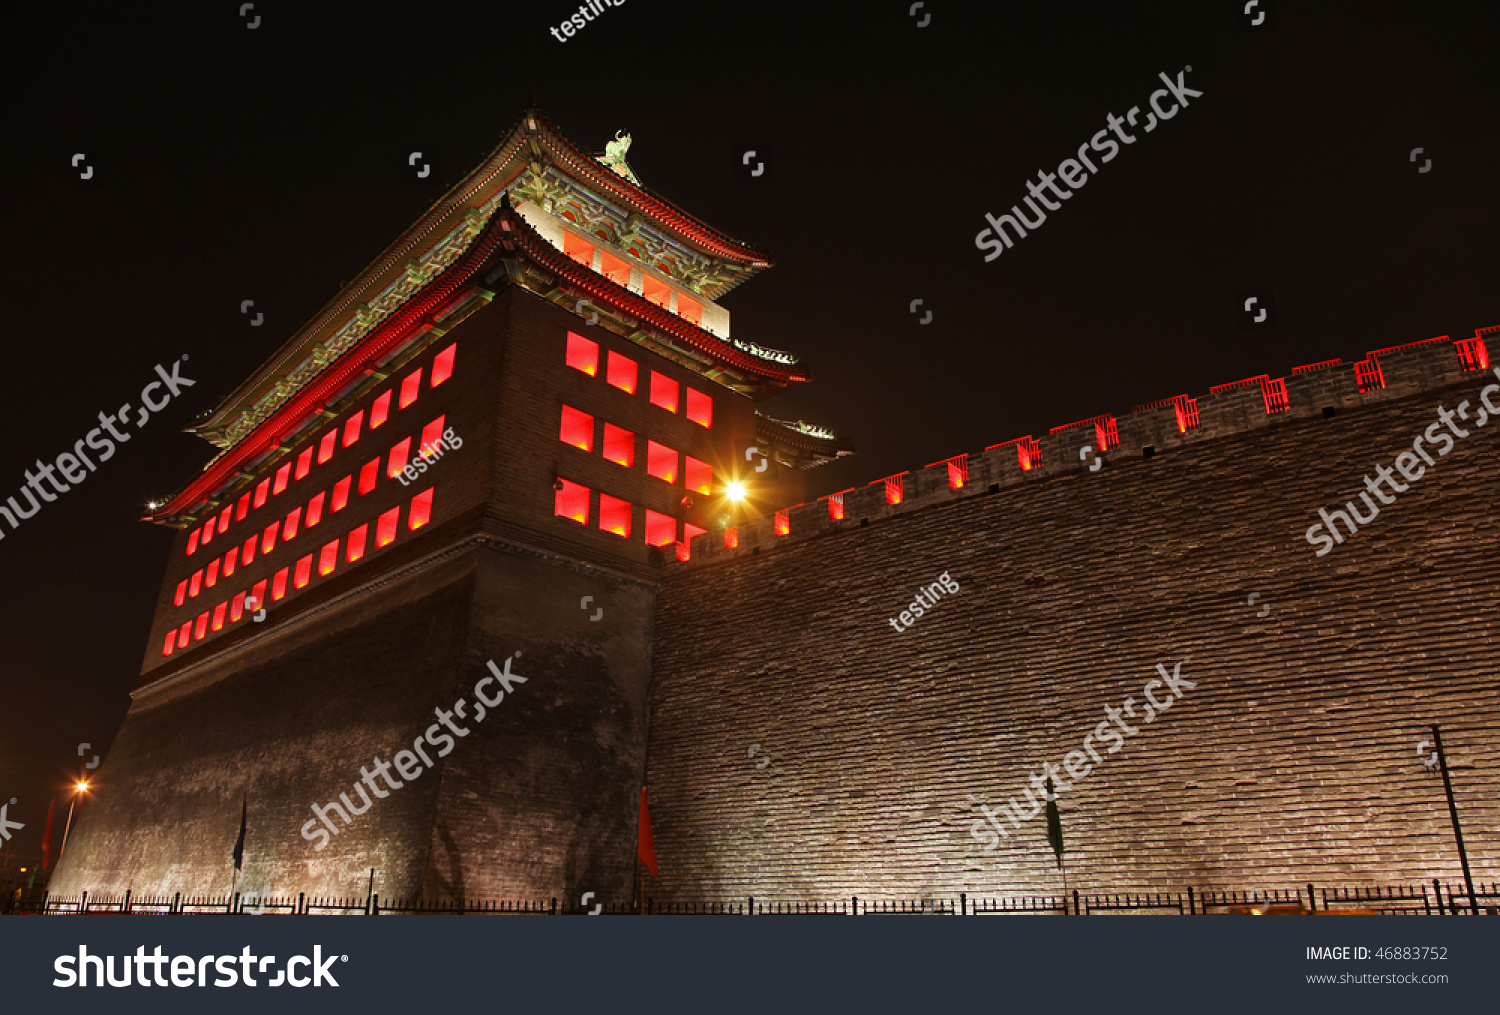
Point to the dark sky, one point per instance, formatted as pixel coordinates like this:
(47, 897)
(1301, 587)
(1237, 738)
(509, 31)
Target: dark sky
(233, 163)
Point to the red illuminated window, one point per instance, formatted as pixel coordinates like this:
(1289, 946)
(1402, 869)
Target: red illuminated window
(663, 391)
(278, 584)
(224, 518)
(304, 462)
(249, 554)
(340, 494)
(1472, 354)
(697, 476)
(958, 471)
(700, 408)
(326, 445)
(219, 611)
(289, 528)
(212, 577)
(572, 501)
(200, 628)
(583, 354)
(261, 489)
(622, 372)
(231, 559)
(181, 592)
(689, 310)
(783, 523)
(731, 538)
(421, 509)
(380, 410)
(685, 548)
(268, 538)
(836, 505)
(356, 547)
(442, 366)
(619, 445)
(1274, 394)
(614, 269)
(578, 249)
(411, 386)
(657, 292)
(193, 542)
(614, 515)
(328, 557)
(400, 453)
(369, 474)
(171, 643)
(237, 607)
(196, 585)
(895, 488)
(242, 508)
(283, 476)
(432, 433)
(315, 510)
(258, 593)
(660, 529)
(351, 427)
(577, 428)
(184, 633)
(661, 461)
(208, 532)
(385, 527)
(303, 574)
(1028, 452)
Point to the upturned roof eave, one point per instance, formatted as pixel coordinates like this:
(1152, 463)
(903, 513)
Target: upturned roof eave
(497, 172)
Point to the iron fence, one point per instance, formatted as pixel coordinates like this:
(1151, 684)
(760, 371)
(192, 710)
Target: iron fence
(1422, 899)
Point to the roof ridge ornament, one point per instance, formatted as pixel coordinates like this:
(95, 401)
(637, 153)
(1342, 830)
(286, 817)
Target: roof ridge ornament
(614, 157)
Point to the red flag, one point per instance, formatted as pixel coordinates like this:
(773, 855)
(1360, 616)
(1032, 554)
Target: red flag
(47, 836)
(645, 849)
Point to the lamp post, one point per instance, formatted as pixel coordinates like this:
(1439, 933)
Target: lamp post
(81, 786)
(1458, 832)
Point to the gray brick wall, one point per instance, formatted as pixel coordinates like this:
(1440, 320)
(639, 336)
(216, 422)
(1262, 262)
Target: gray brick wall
(1294, 760)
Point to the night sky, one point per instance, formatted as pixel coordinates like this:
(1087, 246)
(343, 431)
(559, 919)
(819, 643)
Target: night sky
(269, 164)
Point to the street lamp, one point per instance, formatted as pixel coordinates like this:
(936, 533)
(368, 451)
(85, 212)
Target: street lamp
(1458, 832)
(81, 786)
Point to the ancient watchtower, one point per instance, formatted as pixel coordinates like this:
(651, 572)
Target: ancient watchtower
(482, 448)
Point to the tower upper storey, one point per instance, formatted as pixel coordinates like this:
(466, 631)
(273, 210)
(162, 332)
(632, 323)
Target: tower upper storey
(594, 241)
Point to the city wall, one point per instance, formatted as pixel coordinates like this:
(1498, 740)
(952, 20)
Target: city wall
(1294, 759)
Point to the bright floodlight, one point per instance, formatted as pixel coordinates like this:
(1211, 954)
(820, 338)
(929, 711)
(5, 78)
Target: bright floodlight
(735, 491)
(81, 786)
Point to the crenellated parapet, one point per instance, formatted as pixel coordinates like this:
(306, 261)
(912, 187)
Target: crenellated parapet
(1324, 388)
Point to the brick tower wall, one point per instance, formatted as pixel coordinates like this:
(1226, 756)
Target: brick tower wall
(541, 796)
(1294, 760)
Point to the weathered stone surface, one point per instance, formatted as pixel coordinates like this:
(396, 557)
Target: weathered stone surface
(1293, 761)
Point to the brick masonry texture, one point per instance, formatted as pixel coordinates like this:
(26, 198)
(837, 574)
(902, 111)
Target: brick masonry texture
(1293, 761)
